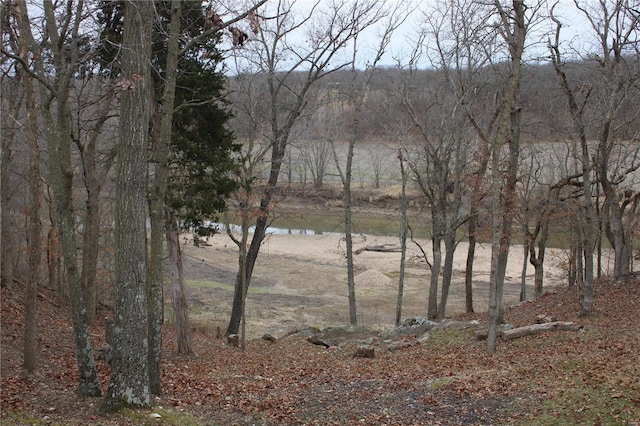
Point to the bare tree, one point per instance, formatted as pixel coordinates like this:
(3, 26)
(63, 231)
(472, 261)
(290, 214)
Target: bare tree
(55, 59)
(355, 91)
(19, 39)
(615, 28)
(488, 40)
(91, 123)
(289, 71)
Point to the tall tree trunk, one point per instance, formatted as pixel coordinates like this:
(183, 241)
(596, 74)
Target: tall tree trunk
(6, 222)
(588, 222)
(508, 132)
(436, 249)
(157, 196)
(6, 231)
(525, 260)
(54, 252)
(403, 239)
(244, 280)
(129, 382)
(447, 271)
(348, 230)
(34, 224)
(90, 252)
(93, 177)
(537, 260)
(179, 299)
(468, 273)
(496, 240)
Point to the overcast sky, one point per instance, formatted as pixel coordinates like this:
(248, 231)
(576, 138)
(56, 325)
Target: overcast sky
(574, 28)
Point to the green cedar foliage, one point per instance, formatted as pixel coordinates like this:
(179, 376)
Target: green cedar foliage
(203, 151)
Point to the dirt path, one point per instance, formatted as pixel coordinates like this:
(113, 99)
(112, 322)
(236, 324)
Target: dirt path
(300, 280)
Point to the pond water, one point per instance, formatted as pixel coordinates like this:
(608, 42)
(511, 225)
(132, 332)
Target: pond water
(327, 224)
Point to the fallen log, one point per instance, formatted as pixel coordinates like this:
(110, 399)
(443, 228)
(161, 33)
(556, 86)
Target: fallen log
(316, 341)
(385, 248)
(529, 330)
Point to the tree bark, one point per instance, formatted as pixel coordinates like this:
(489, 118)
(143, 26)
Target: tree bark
(436, 250)
(403, 239)
(6, 222)
(507, 132)
(468, 274)
(179, 299)
(525, 260)
(351, 284)
(34, 225)
(90, 251)
(537, 260)
(162, 132)
(447, 271)
(129, 381)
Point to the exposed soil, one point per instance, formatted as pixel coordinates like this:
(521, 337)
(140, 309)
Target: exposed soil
(301, 280)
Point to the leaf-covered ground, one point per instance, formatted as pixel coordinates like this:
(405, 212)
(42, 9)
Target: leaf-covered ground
(586, 377)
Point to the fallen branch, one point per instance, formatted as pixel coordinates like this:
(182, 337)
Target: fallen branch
(385, 248)
(532, 329)
(529, 330)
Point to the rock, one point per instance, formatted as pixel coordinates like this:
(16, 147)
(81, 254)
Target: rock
(414, 325)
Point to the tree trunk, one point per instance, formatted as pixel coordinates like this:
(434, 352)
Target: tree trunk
(129, 382)
(94, 177)
(90, 252)
(525, 260)
(245, 270)
(179, 299)
(403, 240)
(436, 241)
(586, 208)
(6, 226)
(509, 191)
(615, 226)
(34, 225)
(162, 134)
(508, 132)
(351, 286)
(538, 260)
(468, 274)
(54, 252)
(447, 272)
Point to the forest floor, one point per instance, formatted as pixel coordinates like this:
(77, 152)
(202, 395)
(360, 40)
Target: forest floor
(585, 377)
(590, 376)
